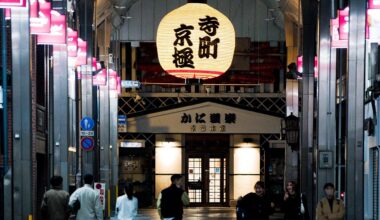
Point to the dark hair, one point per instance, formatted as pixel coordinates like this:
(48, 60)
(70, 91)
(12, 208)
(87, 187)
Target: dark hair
(328, 185)
(88, 179)
(175, 177)
(260, 183)
(56, 181)
(129, 191)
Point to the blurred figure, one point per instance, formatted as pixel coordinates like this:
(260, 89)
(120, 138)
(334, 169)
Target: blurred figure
(55, 202)
(172, 199)
(256, 205)
(126, 205)
(295, 206)
(329, 208)
(89, 200)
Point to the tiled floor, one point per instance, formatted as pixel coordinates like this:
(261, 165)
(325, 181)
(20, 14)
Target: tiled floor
(198, 214)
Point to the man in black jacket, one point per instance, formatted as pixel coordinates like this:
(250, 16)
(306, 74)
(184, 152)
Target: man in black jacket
(172, 199)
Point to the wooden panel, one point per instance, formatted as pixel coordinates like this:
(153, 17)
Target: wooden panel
(224, 7)
(248, 18)
(159, 12)
(171, 5)
(134, 30)
(213, 3)
(260, 24)
(236, 16)
(124, 29)
(147, 20)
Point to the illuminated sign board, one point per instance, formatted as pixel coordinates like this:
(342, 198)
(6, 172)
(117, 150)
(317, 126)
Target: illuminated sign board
(12, 3)
(195, 41)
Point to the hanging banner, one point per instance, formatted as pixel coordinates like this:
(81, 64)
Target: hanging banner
(344, 18)
(12, 3)
(40, 22)
(300, 65)
(100, 79)
(72, 42)
(118, 85)
(374, 4)
(57, 33)
(195, 41)
(82, 53)
(334, 31)
(112, 79)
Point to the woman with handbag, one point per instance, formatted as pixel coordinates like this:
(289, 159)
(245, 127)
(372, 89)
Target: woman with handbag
(294, 203)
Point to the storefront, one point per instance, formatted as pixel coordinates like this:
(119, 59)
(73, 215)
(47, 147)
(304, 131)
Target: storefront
(217, 147)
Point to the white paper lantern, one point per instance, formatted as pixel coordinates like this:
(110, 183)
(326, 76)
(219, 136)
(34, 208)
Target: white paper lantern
(195, 41)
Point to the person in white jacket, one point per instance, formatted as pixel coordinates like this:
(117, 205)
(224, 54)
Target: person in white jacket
(90, 208)
(126, 205)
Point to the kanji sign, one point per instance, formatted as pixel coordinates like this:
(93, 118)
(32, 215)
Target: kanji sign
(212, 122)
(12, 3)
(72, 42)
(40, 17)
(195, 41)
(57, 34)
(101, 188)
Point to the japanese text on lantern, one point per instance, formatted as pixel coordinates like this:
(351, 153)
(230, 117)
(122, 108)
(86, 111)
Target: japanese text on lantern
(183, 56)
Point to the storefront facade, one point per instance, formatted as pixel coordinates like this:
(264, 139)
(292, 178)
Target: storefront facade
(215, 146)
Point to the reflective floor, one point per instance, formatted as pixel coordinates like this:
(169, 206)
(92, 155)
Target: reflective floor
(199, 213)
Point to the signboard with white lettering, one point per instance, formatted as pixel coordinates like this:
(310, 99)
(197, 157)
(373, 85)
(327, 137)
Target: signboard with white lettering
(128, 84)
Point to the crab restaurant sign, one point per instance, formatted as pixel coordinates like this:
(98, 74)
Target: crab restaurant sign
(195, 41)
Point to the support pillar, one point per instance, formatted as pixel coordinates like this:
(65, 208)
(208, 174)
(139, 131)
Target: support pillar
(104, 120)
(326, 101)
(60, 113)
(309, 17)
(115, 146)
(355, 111)
(22, 108)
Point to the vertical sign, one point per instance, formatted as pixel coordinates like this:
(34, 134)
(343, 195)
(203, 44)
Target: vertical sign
(122, 123)
(12, 3)
(101, 188)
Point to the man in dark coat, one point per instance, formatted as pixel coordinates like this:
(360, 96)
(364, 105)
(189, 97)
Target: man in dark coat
(172, 199)
(55, 201)
(256, 205)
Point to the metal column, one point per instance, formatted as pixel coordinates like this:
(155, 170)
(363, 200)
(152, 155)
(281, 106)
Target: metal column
(309, 16)
(85, 32)
(87, 110)
(61, 116)
(114, 143)
(7, 182)
(104, 120)
(22, 108)
(326, 122)
(355, 111)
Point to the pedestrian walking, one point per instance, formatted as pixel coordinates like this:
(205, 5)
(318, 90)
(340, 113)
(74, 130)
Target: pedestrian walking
(295, 207)
(54, 204)
(256, 205)
(90, 208)
(126, 205)
(329, 208)
(172, 199)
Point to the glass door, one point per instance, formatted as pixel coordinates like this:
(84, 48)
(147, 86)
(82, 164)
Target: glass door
(206, 180)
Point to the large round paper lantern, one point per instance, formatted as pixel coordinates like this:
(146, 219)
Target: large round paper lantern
(195, 41)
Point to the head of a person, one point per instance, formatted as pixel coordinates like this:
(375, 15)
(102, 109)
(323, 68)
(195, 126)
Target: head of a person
(329, 189)
(88, 179)
(56, 181)
(291, 187)
(177, 180)
(128, 189)
(260, 188)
